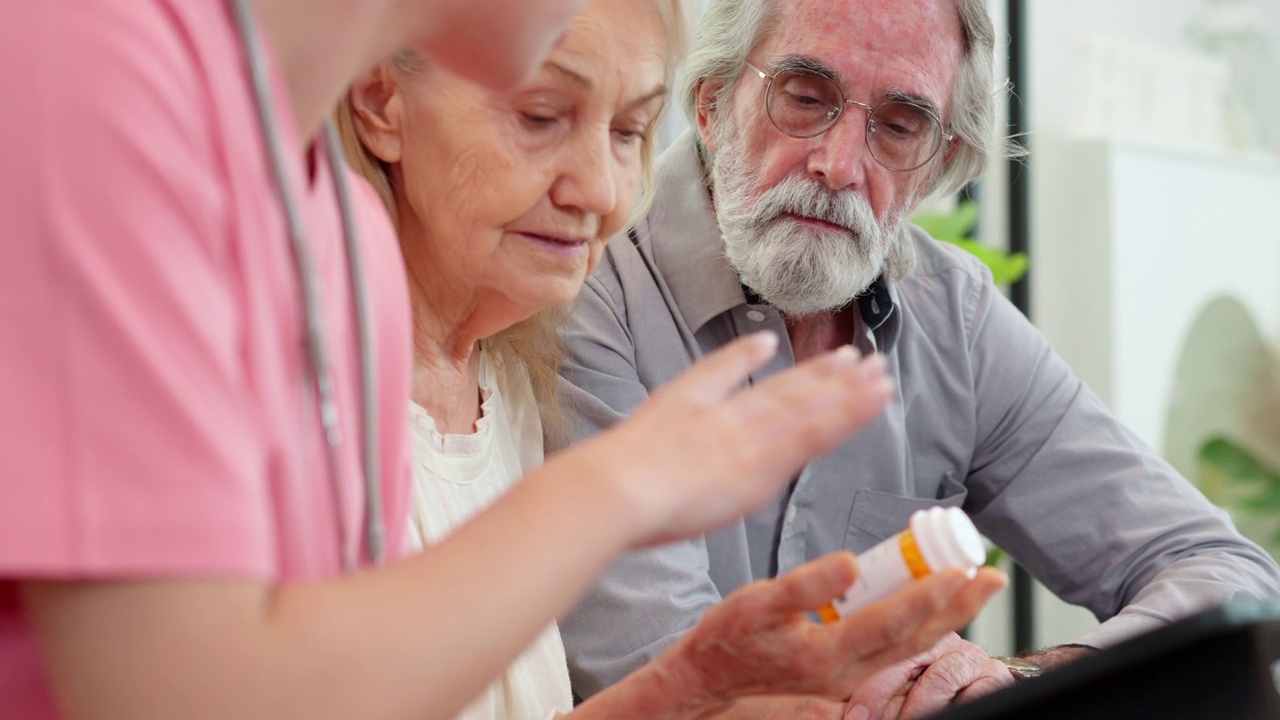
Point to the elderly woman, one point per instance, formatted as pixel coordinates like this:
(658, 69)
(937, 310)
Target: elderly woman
(503, 202)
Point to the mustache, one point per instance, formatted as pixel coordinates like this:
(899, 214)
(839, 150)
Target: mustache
(808, 198)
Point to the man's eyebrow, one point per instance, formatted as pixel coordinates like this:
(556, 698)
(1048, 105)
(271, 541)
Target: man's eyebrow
(914, 99)
(804, 63)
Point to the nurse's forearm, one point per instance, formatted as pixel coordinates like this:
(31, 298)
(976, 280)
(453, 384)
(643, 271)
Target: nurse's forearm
(458, 614)
(414, 640)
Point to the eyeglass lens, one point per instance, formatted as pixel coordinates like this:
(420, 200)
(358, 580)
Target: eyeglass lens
(901, 136)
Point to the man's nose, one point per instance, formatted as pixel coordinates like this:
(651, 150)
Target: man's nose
(839, 157)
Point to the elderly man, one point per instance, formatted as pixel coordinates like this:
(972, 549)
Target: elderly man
(820, 124)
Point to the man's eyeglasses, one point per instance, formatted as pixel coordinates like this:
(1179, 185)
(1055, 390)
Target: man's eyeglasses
(901, 135)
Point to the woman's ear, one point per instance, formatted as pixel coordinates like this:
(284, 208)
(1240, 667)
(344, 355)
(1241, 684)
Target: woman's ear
(706, 98)
(377, 109)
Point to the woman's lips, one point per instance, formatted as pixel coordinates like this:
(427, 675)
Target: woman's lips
(561, 245)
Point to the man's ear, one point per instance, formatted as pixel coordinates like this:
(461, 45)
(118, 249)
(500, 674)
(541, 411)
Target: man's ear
(952, 148)
(708, 112)
(377, 109)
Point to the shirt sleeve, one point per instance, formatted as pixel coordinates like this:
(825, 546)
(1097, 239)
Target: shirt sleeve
(646, 599)
(1081, 502)
(127, 434)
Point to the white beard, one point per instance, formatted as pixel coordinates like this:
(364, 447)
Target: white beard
(797, 268)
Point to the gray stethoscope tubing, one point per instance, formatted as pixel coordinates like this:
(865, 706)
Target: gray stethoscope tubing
(309, 286)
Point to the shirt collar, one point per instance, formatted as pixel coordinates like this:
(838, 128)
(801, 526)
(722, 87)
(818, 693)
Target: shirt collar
(875, 304)
(687, 249)
(685, 238)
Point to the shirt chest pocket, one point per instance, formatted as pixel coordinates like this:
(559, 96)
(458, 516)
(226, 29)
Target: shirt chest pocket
(877, 515)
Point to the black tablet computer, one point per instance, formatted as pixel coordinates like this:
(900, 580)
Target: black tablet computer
(1218, 665)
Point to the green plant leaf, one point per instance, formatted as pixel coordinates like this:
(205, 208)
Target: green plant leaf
(950, 226)
(954, 227)
(994, 557)
(1236, 464)
(1005, 267)
(1266, 502)
(1238, 480)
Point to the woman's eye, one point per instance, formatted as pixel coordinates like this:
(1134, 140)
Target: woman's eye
(629, 136)
(538, 118)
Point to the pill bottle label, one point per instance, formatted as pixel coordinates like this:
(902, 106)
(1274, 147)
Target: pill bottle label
(884, 570)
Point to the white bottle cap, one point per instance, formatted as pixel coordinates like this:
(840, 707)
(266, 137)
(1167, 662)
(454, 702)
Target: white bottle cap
(947, 539)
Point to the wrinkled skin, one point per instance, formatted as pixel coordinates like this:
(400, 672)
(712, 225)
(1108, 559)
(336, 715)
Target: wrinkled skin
(760, 641)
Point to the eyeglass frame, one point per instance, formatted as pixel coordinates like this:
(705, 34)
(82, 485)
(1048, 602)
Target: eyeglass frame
(944, 137)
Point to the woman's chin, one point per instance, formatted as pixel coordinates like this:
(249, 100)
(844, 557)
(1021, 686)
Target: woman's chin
(547, 293)
(561, 295)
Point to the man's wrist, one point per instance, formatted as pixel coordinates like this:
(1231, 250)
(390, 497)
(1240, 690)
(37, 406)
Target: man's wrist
(1020, 668)
(1033, 665)
(1059, 655)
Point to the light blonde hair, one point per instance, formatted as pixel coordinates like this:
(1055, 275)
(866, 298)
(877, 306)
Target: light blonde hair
(534, 342)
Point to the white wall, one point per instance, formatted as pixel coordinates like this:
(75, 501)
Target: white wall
(1053, 27)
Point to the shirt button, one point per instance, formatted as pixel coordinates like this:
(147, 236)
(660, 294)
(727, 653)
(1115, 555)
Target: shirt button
(755, 315)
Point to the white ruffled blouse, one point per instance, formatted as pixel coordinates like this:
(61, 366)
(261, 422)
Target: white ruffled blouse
(456, 476)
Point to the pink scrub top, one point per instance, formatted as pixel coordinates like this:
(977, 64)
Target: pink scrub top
(155, 415)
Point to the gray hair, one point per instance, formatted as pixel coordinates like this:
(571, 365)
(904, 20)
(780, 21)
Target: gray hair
(730, 28)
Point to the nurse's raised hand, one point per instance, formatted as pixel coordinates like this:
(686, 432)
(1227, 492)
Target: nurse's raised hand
(703, 450)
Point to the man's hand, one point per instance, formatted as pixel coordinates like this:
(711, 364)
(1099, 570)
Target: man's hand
(792, 707)
(954, 670)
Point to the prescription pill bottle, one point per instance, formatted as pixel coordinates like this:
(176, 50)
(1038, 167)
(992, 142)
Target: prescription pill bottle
(935, 539)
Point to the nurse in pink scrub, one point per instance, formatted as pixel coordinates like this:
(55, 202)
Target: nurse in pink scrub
(191, 498)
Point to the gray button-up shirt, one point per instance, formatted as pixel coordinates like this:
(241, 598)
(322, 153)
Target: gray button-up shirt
(986, 417)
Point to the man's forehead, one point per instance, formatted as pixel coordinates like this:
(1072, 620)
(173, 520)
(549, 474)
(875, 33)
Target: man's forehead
(910, 47)
(892, 19)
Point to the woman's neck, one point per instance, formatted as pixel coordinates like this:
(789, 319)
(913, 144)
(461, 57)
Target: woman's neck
(322, 45)
(446, 363)
(448, 388)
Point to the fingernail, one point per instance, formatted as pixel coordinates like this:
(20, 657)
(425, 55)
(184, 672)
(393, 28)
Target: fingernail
(873, 366)
(858, 712)
(766, 340)
(886, 386)
(953, 581)
(844, 571)
(847, 356)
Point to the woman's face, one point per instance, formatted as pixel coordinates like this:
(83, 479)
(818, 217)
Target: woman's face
(506, 199)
